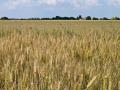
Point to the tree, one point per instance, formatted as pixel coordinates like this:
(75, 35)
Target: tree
(105, 18)
(94, 18)
(58, 17)
(115, 18)
(88, 18)
(4, 18)
(72, 18)
(79, 17)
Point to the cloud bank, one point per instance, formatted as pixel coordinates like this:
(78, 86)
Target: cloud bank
(14, 4)
(85, 3)
(50, 2)
(114, 2)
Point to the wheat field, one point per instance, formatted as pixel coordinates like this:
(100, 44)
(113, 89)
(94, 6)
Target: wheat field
(59, 55)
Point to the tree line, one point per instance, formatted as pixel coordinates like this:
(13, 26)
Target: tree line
(63, 18)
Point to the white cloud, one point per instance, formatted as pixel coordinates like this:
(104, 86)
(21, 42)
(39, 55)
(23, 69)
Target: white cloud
(50, 2)
(92, 2)
(114, 2)
(13, 4)
(82, 4)
(85, 3)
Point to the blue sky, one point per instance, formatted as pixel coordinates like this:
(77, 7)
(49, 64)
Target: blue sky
(50, 8)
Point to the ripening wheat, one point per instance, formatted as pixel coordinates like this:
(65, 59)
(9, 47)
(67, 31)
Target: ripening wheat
(59, 55)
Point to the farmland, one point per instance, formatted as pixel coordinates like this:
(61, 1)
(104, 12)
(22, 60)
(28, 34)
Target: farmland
(59, 55)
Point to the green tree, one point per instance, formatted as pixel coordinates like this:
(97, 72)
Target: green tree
(4, 18)
(79, 17)
(88, 18)
(115, 18)
(94, 18)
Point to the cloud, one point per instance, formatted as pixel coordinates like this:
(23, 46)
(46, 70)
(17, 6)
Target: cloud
(13, 4)
(114, 2)
(50, 2)
(79, 4)
(85, 3)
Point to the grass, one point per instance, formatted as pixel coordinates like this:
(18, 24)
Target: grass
(59, 55)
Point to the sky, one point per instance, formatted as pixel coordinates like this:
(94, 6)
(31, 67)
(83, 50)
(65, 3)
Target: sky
(51, 8)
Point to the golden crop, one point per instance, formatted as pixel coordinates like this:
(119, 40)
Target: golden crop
(59, 55)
